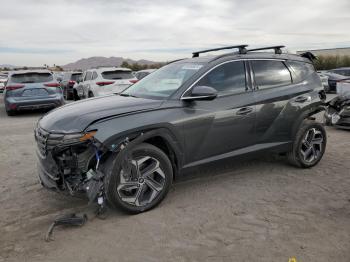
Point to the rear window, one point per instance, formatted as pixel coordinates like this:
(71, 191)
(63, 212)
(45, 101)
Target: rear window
(75, 77)
(343, 72)
(300, 70)
(270, 73)
(31, 78)
(117, 74)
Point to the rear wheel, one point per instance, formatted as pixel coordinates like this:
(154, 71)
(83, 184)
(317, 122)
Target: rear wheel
(146, 182)
(309, 145)
(75, 95)
(90, 94)
(10, 112)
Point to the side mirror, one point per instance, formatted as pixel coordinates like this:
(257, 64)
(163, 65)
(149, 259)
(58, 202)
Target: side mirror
(201, 93)
(80, 79)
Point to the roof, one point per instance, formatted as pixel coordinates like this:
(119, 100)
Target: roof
(102, 69)
(249, 55)
(147, 70)
(29, 71)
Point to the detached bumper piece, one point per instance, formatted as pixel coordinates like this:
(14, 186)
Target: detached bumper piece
(67, 220)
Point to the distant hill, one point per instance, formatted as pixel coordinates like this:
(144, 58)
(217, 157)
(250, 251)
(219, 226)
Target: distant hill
(7, 66)
(98, 61)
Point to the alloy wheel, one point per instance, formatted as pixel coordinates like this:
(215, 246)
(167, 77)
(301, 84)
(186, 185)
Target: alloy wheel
(312, 145)
(142, 183)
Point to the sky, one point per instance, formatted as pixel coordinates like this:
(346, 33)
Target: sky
(38, 32)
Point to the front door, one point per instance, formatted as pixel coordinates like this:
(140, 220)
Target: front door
(217, 128)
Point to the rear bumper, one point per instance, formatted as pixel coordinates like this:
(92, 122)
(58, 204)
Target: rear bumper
(31, 104)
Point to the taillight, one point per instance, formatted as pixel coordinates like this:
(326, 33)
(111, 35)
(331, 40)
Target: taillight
(52, 85)
(71, 82)
(14, 87)
(105, 83)
(133, 81)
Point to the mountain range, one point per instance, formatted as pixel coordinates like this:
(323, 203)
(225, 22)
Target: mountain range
(98, 61)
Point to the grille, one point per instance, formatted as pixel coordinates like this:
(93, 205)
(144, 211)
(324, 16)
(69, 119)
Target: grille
(41, 137)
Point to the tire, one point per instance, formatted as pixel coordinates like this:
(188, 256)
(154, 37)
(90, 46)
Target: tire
(11, 112)
(75, 95)
(90, 94)
(122, 191)
(309, 145)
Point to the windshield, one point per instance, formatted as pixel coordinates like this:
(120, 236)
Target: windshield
(164, 82)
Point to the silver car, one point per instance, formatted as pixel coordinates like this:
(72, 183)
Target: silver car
(31, 89)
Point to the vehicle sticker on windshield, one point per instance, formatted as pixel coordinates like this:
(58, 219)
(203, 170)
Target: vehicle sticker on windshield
(191, 66)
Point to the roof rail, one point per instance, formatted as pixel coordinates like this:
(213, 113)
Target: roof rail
(277, 49)
(242, 50)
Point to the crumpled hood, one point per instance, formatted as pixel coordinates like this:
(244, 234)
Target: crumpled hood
(75, 117)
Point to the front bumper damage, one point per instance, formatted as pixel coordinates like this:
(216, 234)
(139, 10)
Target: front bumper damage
(66, 167)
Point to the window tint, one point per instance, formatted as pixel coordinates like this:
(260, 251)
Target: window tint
(94, 75)
(88, 76)
(300, 70)
(270, 73)
(117, 74)
(75, 77)
(31, 78)
(228, 78)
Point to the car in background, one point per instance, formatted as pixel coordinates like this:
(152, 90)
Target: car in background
(344, 71)
(31, 89)
(103, 81)
(333, 79)
(324, 80)
(142, 73)
(3, 80)
(69, 79)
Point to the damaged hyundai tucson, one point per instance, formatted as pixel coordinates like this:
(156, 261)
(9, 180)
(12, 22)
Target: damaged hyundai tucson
(126, 149)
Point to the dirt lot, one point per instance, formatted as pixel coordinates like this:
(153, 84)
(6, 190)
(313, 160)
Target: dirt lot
(254, 210)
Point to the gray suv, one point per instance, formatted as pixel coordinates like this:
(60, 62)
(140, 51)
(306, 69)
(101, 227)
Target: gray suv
(31, 89)
(126, 149)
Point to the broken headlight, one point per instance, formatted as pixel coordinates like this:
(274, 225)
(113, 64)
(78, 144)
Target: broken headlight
(77, 137)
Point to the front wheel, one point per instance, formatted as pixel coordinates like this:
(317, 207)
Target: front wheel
(143, 184)
(309, 145)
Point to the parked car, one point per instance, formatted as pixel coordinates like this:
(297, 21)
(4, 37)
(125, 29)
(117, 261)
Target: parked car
(103, 81)
(142, 73)
(324, 80)
(31, 89)
(3, 80)
(127, 149)
(345, 71)
(69, 79)
(333, 79)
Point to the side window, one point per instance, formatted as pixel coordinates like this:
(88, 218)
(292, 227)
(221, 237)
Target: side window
(87, 76)
(300, 70)
(94, 75)
(228, 78)
(270, 73)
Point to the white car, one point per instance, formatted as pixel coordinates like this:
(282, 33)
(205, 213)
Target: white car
(3, 80)
(103, 81)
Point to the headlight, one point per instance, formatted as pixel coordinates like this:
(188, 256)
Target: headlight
(78, 137)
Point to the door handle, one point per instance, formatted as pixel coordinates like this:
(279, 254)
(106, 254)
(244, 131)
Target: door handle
(302, 99)
(244, 111)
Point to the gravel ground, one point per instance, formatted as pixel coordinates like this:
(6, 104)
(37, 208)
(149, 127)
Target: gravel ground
(252, 210)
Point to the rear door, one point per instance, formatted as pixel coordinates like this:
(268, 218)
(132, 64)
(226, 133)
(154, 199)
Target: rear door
(277, 99)
(120, 79)
(86, 83)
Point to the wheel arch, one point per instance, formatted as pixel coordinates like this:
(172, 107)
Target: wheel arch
(162, 138)
(306, 115)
